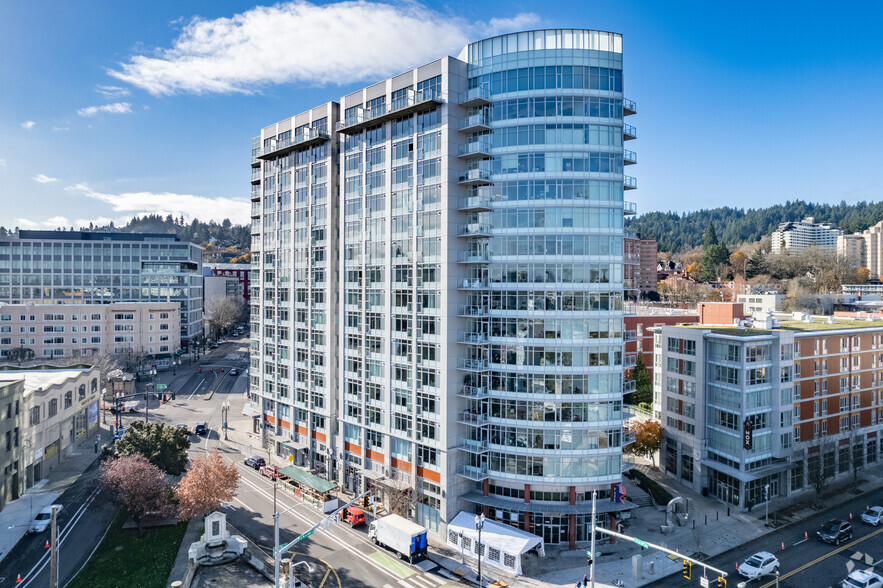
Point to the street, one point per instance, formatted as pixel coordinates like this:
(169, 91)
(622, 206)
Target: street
(805, 564)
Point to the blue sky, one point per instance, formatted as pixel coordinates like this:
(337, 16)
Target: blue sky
(111, 109)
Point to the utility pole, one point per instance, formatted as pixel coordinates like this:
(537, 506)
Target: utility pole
(53, 555)
(592, 544)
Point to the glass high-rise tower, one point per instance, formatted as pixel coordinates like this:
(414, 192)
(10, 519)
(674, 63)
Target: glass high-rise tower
(476, 361)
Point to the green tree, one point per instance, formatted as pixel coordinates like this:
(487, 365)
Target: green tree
(756, 265)
(643, 383)
(715, 255)
(165, 447)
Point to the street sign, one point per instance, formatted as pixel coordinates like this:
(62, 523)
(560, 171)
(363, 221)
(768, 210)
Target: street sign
(642, 543)
(305, 535)
(161, 386)
(703, 582)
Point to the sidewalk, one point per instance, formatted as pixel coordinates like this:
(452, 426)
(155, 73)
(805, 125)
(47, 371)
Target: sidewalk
(16, 516)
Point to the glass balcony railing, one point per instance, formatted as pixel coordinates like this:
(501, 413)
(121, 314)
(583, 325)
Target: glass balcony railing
(479, 147)
(475, 176)
(474, 230)
(307, 138)
(413, 101)
(629, 132)
(629, 107)
(476, 96)
(475, 122)
(629, 157)
(629, 183)
(481, 201)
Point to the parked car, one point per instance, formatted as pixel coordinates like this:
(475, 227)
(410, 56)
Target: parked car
(255, 462)
(353, 516)
(835, 531)
(234, 372)
(201, 429)
(873, 516)
(270, 471)
(183, 427)
(119, 433)
(862, 579)
(759, 564)
(44, 518)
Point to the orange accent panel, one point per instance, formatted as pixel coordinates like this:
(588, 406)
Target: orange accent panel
(270, 419)
(352, 448)
(319, 436)
(375, 456)
(301, 430)
(429, 475)
(285, 424)
(399, 464)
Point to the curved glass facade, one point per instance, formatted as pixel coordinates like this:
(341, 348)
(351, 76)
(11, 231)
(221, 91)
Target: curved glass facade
(543, 347)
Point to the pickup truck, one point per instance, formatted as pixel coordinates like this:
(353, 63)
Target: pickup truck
(401, 535)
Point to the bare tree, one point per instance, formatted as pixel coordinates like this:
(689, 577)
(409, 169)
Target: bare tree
(224, 311)
(856, 456)
(820, 467)
(399, 498)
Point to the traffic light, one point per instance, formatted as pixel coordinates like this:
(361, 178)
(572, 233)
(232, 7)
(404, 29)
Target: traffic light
(589, 558)
(365, 501)
(200, 369)
(222, 370)
(721, 582)
(211, 370)
(688, 569)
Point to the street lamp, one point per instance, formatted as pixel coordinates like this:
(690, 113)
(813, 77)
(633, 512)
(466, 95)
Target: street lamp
(225, 411)
(479, 524)
(291, 570)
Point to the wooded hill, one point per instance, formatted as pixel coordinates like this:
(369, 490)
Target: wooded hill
(676, 232)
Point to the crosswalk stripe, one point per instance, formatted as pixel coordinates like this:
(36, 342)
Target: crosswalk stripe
(421, 581)
(405, 584)
(437, 579)
(387, 586)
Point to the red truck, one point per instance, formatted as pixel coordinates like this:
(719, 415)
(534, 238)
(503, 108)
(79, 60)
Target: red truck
(353, 516)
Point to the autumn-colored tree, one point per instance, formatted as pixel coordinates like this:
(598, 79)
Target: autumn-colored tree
(738, 260)
(648, 437)
(207, 484)
(863, 274)
(140, 486)
(694, 268)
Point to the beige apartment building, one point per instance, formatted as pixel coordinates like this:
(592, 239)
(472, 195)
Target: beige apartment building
(44, 412)
(125, 329)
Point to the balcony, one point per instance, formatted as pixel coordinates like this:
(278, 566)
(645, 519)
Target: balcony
(471, 365)
(479, 148)
(629, 107)
(475, 123)
(464, 310)
(472, 418)
(472, 338)
(475, 392)
(629, 335)
(629, 360)
(472, 285)
(628, 437)
(309, 138)
(474, 446)
(481, 202)
(476, 97)
(629, 157)
(475, 177)
(474, 230)
(255, 177)
(411, 103)
(629, 133)
(474, 473)
(629, 386)
(473, 257)
(629, 183)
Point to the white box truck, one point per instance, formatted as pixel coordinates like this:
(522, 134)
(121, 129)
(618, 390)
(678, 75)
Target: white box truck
(401, 535)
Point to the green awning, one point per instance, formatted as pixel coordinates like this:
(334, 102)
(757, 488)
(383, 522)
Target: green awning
(308, 479)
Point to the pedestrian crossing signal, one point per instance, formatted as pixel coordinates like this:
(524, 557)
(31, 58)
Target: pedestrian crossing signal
(688, 569)
(721, 582)
(365, 501)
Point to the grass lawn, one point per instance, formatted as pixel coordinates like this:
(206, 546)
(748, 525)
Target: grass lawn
(123, 558)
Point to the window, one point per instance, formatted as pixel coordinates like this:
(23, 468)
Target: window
(53, 407)
(68, 399)
(673, 345)
(689, 347)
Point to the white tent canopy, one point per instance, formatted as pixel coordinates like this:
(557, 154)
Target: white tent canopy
(503, 544)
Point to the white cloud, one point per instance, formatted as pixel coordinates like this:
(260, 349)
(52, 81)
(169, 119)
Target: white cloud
(303, 42)
(165, 203)
(28, 125)
(44, 179)
(114, 108)
(56, 222)
(112, 91)
(2, 163)
(59, 129)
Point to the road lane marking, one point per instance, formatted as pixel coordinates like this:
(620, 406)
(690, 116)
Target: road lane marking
(38, 567)
(310, 522)
(196, 389)
(325, 577)
(422, 580)
(822, 558)
(392, 564)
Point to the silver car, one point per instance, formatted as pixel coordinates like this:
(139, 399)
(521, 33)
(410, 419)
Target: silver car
(43, 518)
(873, 516)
